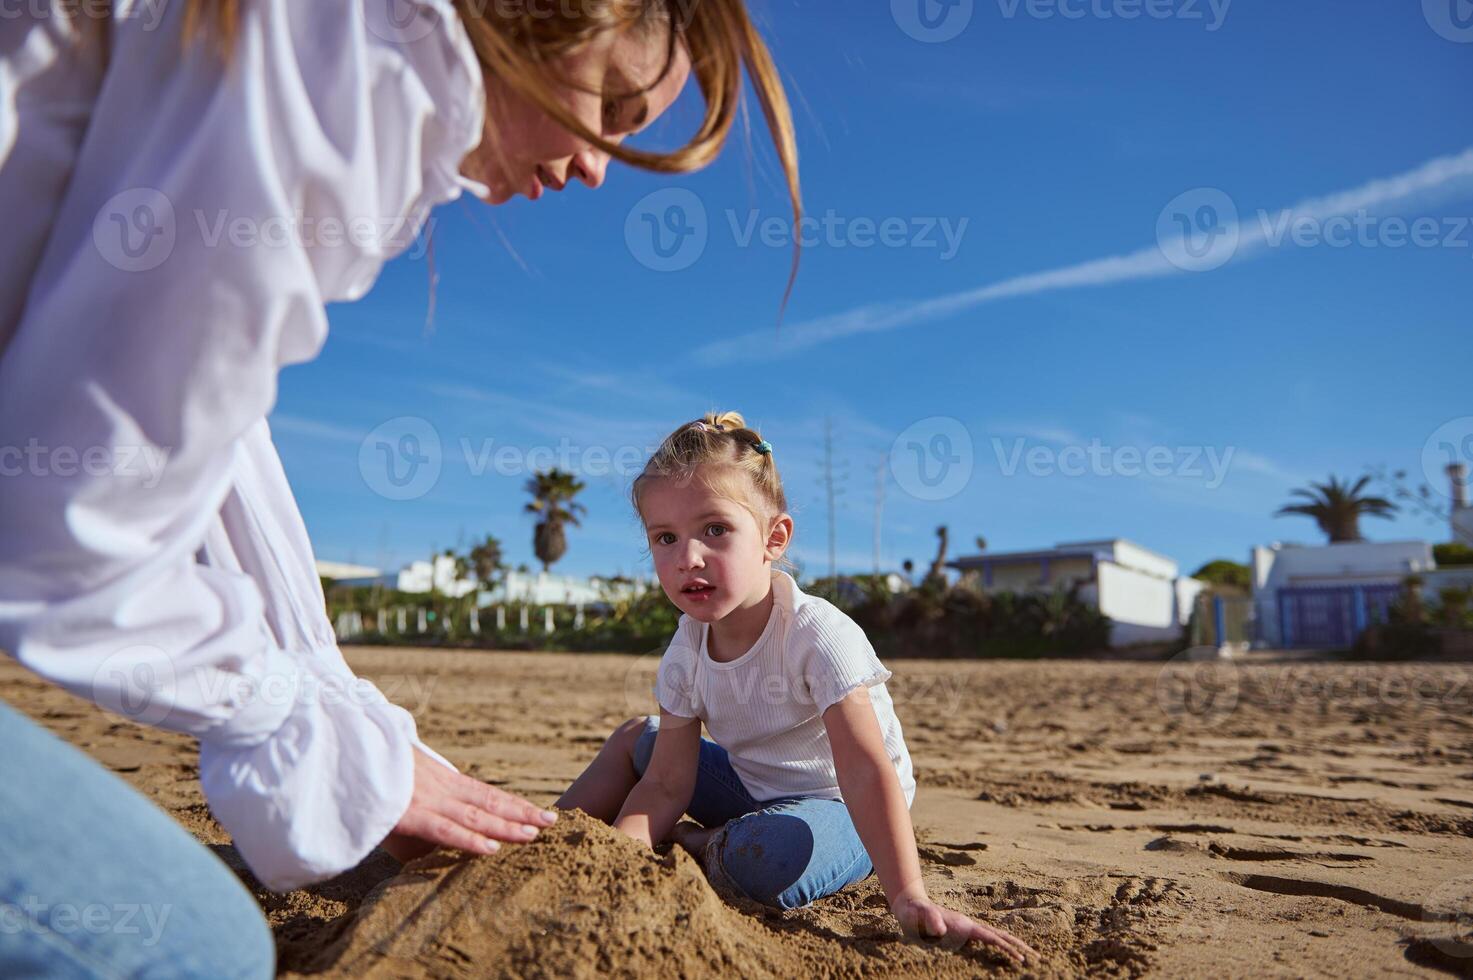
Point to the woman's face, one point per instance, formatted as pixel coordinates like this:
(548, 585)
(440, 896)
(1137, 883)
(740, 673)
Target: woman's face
(526, 152)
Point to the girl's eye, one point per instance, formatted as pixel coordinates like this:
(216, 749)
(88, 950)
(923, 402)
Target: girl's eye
(717, 529)
(661, 539)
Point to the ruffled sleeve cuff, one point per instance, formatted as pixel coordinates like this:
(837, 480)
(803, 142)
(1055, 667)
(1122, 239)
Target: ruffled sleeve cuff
(323, 790)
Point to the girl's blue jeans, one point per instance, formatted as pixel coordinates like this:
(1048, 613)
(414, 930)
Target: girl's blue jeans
(783, 853)
(96, 881)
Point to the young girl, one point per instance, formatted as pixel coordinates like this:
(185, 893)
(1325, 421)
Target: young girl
(806, 783)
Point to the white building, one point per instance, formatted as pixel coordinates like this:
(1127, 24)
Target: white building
(414, 577)
(337, 570)
(1323, 596)
(1142, 592)
(537, 588)
(545, 588)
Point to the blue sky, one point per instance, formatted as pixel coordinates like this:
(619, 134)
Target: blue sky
(1059, 153)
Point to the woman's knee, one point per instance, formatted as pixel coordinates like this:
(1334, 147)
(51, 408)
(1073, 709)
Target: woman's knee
(246, 945)
(203, 923)
(217, 927)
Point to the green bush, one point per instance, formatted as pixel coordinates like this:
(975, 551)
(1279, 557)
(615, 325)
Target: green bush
(1413, 625)
(959, 621)
(931, 621)
(1452, 553)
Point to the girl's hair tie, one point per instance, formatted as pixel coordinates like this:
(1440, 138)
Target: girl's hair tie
(764, 447)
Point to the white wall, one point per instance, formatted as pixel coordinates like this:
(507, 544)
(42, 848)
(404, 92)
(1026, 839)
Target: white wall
(1347, 563)
(339, 569)
(1187, 590)
(1134, 556)
(544, 588)
(1141, 607)
(416, 576)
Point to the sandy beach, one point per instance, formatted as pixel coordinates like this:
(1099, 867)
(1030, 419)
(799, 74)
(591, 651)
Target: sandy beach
(1245, 820)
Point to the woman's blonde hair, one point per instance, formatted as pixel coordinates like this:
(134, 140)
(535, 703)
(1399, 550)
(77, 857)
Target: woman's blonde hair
(725, 454)
(520, 41)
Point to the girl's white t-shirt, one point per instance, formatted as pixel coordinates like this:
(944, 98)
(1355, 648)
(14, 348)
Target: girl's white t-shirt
(765, 707)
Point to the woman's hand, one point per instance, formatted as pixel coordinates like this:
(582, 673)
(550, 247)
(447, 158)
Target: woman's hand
(450, 809)
(921, 918)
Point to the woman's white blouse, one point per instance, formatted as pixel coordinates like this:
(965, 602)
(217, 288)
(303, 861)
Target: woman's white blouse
(175, 222)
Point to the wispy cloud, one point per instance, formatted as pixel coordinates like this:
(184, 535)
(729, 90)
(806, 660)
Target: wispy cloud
(1251, 462)
(550, 420)
(646, 387)
(313, 429)
(1043, 433)
(1439, 178)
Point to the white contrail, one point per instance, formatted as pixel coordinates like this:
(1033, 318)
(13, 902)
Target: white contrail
(1440, 178)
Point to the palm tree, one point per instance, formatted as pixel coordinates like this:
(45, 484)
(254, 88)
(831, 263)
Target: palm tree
(937, 574)
(552, 499)
(484, 562)
(481, 566)
(1337, 507)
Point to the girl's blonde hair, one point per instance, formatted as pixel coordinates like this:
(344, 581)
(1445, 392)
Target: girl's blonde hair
(519, 42)
(725, 454)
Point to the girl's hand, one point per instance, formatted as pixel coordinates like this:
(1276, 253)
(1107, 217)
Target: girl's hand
(450, 809)
(921, 918)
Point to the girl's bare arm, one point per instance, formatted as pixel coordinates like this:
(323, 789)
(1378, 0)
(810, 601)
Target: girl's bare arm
(877, 805)
(665, 790)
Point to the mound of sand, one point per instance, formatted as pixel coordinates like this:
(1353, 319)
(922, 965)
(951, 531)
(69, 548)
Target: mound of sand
(586, 901)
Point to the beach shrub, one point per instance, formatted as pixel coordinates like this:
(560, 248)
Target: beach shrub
(1452, 553)
(959, 621)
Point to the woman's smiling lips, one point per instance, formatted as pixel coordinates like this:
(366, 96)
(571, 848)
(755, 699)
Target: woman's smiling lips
(543, 180)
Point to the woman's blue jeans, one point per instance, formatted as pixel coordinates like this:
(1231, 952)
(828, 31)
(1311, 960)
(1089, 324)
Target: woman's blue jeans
(96, 881)
(783, 853)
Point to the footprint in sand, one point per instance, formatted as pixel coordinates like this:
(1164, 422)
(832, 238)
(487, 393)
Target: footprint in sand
(1277, 885)
(1217, 849)
(952, 855)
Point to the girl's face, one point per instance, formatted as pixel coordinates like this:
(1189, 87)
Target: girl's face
(710, 554)
(526, 152)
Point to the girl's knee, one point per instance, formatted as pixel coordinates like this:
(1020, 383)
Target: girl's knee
(628, 737)
(763, 857)
(787, 857)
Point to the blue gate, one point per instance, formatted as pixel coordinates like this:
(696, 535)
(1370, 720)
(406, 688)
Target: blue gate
(1332, 616)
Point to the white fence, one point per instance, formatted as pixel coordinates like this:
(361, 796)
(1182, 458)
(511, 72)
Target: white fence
(419, 621)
